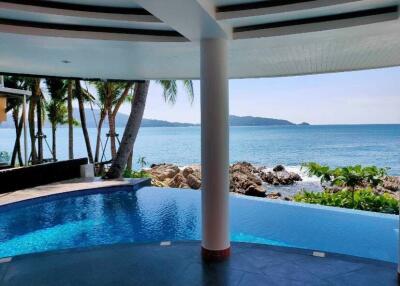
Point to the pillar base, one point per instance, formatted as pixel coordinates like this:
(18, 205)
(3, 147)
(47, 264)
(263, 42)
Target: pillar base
(215, 255)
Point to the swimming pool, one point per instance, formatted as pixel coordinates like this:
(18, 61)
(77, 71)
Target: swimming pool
(120, 215)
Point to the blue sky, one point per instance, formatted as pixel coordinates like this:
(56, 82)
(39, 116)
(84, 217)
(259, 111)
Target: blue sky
(360, 97)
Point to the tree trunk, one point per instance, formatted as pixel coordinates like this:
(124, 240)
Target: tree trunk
(40, 129)
(129, 164)
(98, 139)
(70, 122)
(112, 133)
(53, 135)
(31, 121)
(131, 130)
(82, 115)
(17, 145)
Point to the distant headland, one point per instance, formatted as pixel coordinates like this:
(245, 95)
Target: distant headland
(122, 118)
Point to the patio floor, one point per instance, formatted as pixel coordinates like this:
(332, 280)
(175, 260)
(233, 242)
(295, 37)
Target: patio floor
(180, 264)
(68, 186)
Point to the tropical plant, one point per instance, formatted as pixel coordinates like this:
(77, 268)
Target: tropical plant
(347, 177)
(110, 97)
(56, 108)
(128, 173)
(71, 122)
(82, 96)
(362, 199)
(142, 162)
(138, 104)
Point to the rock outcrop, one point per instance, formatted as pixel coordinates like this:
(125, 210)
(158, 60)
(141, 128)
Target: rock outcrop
(245, 178)
(169, 175)
(279, 176)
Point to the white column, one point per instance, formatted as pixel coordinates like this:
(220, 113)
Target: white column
(215, 149)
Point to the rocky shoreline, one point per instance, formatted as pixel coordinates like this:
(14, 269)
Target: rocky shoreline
(246, 179)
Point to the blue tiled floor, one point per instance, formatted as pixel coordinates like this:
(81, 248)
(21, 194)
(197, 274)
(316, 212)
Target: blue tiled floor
(181, 264)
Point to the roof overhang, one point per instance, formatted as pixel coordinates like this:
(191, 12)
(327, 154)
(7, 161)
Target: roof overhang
(154, 39)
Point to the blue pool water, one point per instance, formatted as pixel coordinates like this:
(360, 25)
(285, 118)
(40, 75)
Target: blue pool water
(154, 214)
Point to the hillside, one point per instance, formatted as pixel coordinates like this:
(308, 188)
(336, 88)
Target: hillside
(256, 121)
(93, 117)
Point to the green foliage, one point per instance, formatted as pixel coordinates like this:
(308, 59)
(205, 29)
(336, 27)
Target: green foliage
(128, 173)
(56, 112)
(364, 199)
(170, 90)
(350, 176)
(142, 162)
(4, 157)
(56, 107)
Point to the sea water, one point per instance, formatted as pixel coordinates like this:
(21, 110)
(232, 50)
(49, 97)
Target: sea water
(333, 145)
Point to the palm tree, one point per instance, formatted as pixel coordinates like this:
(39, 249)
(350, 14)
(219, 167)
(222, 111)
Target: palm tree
(111, 96)
(81, 97)
(70, 96)
(138, 104)
(56, 108)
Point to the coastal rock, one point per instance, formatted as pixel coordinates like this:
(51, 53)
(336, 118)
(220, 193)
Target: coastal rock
(280, 176)
(162, 172)
(275, 195)
(278, 168)
(187, 171)
(193, 182)
(391, 183)
(243, 180)
(178, 182)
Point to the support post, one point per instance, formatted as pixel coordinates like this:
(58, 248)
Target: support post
(25, 132)
(215, 149)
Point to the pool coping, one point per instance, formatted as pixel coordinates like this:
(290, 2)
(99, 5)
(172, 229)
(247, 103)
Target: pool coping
(58, 190)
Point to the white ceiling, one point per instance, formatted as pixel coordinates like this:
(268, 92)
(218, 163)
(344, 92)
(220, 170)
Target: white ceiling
(109, 3)
(297, 50)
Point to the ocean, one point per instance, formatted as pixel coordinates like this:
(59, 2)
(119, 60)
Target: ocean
(333, 145)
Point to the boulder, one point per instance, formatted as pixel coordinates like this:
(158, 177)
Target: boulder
(275, 195)
(178, 181)
(187, 171)
(278, 168)
(164, 171)
(193, 182)
(243, 180)
(391, 183)
(279, 176)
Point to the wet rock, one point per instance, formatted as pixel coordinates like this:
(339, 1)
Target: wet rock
(278, 168)
(275, 195)
(280, 176)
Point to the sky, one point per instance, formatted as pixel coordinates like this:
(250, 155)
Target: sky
(359, 97)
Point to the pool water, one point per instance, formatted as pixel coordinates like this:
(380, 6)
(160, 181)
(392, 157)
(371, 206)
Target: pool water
(154, 214)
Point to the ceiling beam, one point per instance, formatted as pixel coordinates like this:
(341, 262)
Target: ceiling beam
(194, 19)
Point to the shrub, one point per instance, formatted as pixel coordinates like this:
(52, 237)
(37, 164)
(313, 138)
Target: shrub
(364, 199)
(135, 174)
